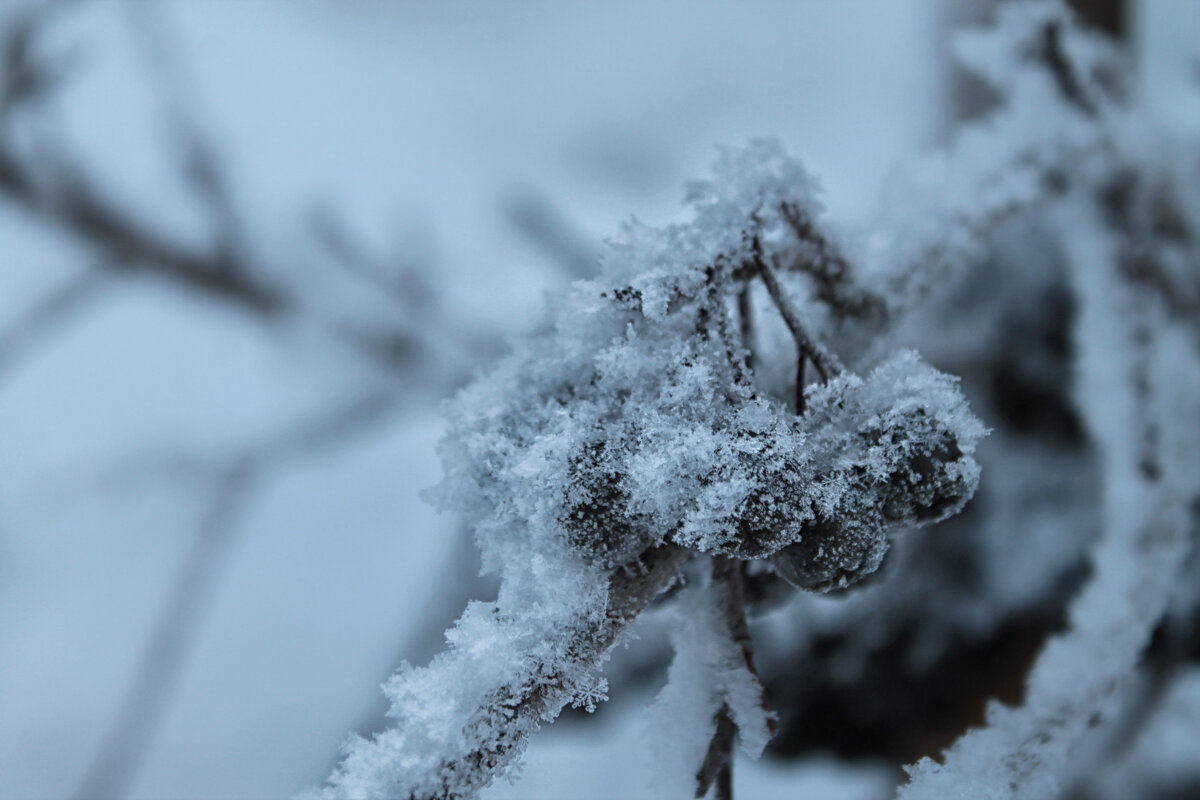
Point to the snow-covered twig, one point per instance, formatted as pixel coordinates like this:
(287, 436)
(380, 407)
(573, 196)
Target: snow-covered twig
(508, 671)
(634, 425)
(716, 771)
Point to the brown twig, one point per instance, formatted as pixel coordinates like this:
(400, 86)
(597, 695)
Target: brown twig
(745, 304)
(1063, 71)
(200, 164)
(63, 197)
(831, 272)
(735, 350)
(806, 348)
(59, 193)
(717, 769)
(728, 580)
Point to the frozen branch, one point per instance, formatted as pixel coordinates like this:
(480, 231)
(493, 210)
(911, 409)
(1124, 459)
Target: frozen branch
(634, 427)
(717, 768)
(806, 348)
(126, 245)
(455, 756)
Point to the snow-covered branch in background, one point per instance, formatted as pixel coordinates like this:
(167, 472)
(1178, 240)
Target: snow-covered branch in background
(1127, 229)
(399, 342)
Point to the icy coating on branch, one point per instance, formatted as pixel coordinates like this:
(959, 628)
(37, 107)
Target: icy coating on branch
(636, 422)
(1053, 79)
(631, 434)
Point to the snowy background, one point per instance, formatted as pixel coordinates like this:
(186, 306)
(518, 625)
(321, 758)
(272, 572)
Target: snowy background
(480, 152)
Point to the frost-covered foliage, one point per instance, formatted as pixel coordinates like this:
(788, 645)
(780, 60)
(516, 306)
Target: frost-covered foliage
(650, 438)
(633, 432)
(665, 429)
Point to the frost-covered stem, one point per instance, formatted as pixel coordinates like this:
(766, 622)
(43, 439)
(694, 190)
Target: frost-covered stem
(631, 589)
(806, 348)
(1177, 638)
(1060, 89)
(735, 351)
(728, 581)
(717, 768)
(746, 322)
(831, 272)
(490, 736)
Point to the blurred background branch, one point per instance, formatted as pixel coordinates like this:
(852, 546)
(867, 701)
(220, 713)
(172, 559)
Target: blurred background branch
(53, 188)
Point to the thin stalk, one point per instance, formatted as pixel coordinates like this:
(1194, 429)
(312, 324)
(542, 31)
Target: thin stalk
(807, 349)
